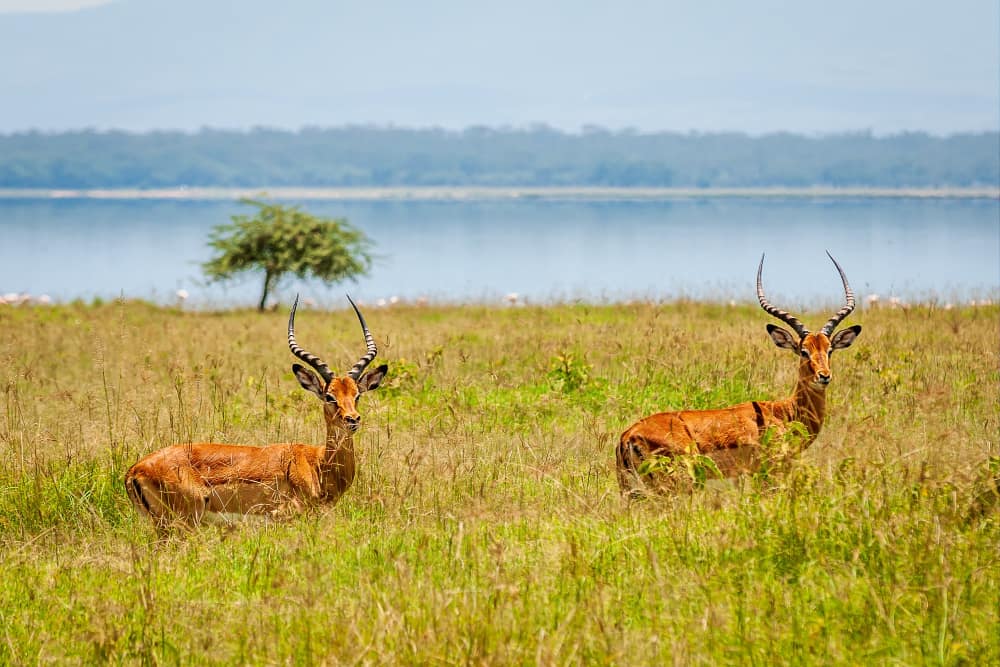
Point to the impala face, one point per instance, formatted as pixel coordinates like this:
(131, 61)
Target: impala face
(815, 350)
(340, 395)
(341, 402)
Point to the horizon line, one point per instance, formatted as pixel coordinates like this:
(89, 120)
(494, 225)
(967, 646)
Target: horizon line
(526, 128)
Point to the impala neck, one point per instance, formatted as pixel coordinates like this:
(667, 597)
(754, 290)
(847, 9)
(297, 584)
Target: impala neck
(808, 401)
(338, 464)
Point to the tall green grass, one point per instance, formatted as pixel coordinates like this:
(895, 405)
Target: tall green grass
(486, 524)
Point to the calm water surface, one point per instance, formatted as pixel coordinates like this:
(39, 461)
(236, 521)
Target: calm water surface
(541, 249)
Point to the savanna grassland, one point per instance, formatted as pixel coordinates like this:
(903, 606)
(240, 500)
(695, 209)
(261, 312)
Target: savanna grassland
(486, 525)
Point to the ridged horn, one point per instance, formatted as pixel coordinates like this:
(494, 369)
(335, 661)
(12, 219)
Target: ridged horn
(310, 359)
(363, 362)
(782, 315)
(848, 295)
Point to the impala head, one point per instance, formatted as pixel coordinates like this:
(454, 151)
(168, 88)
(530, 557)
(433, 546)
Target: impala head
(340, 395)
(814, 349)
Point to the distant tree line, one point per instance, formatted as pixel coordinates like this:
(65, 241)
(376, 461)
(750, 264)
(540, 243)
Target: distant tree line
(535, 156)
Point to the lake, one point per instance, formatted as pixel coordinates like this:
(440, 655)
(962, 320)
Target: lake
(542, 248)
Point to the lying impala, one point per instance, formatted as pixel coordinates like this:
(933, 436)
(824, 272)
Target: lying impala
(733, 437)
(195, 482)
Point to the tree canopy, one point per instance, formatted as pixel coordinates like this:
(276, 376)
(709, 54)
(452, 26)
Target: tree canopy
(280, 240)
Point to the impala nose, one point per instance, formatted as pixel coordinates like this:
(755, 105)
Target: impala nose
(353, 422)
(823, 378)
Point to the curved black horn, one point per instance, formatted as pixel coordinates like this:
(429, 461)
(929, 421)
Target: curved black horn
(782, 315)
(363, 362)
(848, 295)
(310, 359)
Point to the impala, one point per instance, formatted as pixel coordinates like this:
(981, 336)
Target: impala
(208, 482)
(734, 438)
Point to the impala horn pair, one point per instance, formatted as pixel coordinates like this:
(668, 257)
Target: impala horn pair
(317, 363)
(791, 321)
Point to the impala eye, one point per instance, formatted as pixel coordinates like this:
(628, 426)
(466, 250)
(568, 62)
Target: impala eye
(804, 353)
(330, 399)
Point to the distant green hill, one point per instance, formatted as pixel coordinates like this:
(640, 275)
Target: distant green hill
(538, 156)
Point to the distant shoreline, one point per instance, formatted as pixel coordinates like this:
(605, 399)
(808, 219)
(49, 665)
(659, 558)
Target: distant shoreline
(475, 193)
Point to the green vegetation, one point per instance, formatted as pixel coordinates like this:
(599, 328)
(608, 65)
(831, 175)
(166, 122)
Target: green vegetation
(281, 239)
(486, 524)
(537, 156)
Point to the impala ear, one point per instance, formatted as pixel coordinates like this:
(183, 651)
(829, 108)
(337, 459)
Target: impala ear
(845, 337)
(781, 337)
(372, 379)
(309, 380)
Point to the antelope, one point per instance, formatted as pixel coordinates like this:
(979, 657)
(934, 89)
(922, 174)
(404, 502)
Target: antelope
(735, 438)
(215, 483)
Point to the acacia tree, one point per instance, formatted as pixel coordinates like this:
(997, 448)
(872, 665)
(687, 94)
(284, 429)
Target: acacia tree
(281, 240)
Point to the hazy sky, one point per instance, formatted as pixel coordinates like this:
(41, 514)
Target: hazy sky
(48, 5)
(758, 67)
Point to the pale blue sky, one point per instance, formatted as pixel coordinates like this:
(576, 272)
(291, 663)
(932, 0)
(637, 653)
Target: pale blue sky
(48, 5)
(756, 67)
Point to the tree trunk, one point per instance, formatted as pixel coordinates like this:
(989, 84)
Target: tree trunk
(268, 284)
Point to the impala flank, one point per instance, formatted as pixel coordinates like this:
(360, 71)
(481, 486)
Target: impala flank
(734, 439)
(190, 483)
